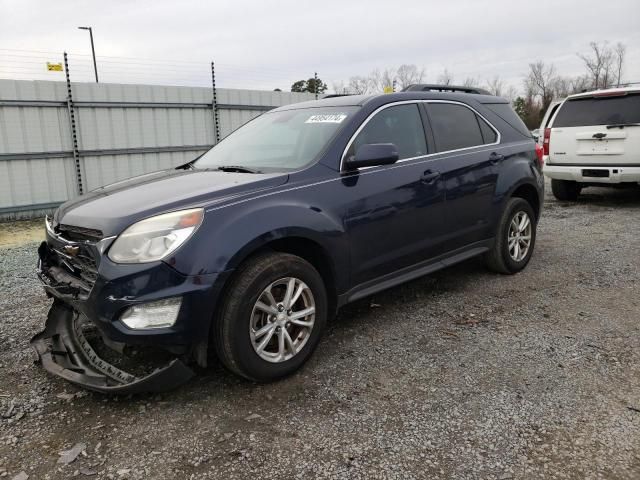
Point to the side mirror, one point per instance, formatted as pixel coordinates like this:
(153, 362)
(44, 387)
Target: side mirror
(372, 155)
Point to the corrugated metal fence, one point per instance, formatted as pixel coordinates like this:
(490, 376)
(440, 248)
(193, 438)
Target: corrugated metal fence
(122, 131)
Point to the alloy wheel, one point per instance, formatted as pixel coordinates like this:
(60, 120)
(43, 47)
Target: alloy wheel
(519, 236)
(282, 320)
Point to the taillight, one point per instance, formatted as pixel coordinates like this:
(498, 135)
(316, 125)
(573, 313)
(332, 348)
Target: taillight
(545, 141)
(539, 154)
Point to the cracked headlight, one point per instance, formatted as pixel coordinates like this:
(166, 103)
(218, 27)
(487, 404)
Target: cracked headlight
(156, 237)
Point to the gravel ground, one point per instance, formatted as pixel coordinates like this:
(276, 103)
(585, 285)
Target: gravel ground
(461, 374)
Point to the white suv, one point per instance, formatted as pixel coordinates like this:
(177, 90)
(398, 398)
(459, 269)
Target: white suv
(593, 138)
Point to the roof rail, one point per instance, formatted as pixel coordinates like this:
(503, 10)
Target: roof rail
(334, 95)
(427, 87)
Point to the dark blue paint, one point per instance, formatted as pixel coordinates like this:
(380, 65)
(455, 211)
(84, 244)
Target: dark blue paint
(373, 226)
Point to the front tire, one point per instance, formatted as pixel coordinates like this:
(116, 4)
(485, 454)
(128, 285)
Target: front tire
(272, 317)
(515, 238)
(565, 190)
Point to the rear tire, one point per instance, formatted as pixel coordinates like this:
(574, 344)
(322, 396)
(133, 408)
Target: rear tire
(503, 256)
(256, 302)
(565, 190)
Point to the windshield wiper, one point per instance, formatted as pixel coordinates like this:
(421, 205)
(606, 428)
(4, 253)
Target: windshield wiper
(237, 168)
(622, 125)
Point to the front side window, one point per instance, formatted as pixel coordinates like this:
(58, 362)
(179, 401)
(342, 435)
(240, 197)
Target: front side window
(400, 125)
(279, 141)
(456, 126)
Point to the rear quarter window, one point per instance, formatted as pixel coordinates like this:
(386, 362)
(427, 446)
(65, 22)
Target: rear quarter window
(506, 113)
(582, 112)
(548, 117)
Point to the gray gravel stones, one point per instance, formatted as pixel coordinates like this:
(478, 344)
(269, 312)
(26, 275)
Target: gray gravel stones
(462, 374)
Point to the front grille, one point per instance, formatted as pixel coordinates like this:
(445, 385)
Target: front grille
(79, 234)
(84, 267)
(69, 272)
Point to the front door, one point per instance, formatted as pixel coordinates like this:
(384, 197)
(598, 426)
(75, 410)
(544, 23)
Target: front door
(395, 214)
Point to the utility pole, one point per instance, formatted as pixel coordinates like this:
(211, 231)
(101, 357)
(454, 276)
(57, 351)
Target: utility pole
(315, 83)
(93, 50)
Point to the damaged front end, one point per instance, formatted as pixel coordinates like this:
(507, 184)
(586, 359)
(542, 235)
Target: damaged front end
(68, 346)
(65, 351)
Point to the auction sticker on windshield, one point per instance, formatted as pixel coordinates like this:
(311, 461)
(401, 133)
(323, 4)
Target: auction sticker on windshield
(327, 118)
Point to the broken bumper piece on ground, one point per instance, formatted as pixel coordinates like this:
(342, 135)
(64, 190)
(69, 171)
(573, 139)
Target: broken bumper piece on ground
(64, 351)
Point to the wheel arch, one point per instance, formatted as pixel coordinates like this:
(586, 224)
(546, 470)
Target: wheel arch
(299, 243)
(529, 193)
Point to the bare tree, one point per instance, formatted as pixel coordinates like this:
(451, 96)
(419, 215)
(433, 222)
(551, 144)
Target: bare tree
(580, 84)
(471, 82)
(409, 75)
(619, 52)
(376, 81)
(540, 82)
(338, 87)
(379, 80)
(562, 87)
(359, 85)
(599, 64)
(495, 86)
(445, 78)
(511, 93)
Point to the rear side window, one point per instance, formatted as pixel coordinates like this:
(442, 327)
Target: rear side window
(581, 112)
(552, 110)
(400, 125)
(489, 135)
(454, 126)
(506, 113)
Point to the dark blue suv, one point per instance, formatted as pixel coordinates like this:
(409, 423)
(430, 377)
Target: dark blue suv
(247, 250)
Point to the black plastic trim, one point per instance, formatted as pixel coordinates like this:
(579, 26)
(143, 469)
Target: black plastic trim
(63, 351)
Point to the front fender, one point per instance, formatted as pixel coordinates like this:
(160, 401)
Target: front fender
(230, 234)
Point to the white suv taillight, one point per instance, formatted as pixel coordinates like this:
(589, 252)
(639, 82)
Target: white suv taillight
(539, 154)
(545, 141)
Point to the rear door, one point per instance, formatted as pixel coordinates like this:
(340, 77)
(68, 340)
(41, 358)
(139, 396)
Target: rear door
(602, 129)
(469, 161)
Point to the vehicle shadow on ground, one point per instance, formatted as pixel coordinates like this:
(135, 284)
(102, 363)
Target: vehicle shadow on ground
(620, 197)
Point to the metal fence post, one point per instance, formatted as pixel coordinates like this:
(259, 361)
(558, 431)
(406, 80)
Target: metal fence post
(72, 126)
(214, 106)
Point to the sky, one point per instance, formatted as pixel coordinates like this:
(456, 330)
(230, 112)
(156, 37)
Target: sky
(270, 44)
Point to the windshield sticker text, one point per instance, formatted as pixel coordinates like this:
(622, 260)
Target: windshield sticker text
(327, 118)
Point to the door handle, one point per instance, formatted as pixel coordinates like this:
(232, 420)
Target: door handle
(429, 176)
(495, 158)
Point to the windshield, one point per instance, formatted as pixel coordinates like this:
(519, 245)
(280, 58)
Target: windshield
(278, 141)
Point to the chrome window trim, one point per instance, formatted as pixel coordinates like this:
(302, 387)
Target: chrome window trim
(407, 102)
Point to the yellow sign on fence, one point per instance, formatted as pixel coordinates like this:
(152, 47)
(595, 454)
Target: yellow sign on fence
(388, 90)
(54, 67)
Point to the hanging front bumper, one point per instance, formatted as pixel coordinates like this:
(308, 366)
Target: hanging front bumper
(64, 351)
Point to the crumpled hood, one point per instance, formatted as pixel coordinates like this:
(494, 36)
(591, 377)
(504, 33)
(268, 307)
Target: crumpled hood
(114, 207)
